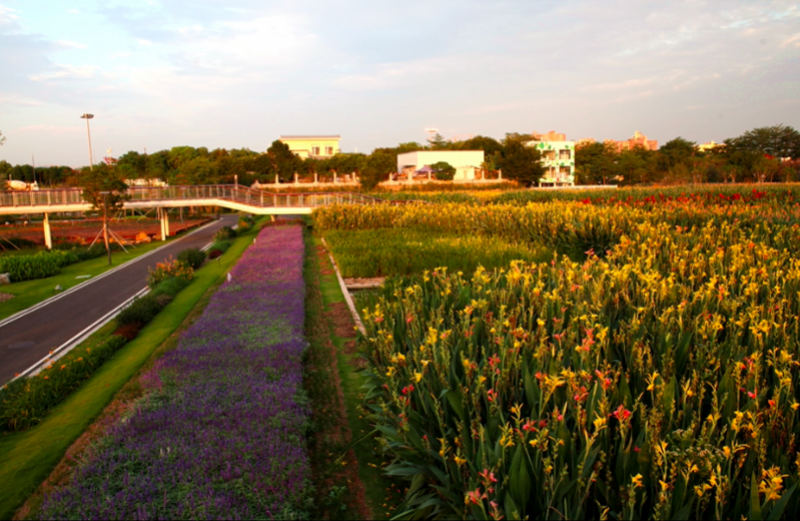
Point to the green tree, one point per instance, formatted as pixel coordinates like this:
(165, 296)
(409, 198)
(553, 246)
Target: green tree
(443, 171)
(595, 163)
(674, 152)
(518, 161)
(282, 162)
(489, 145)
(377, 167)
(777, 141)
(411, 146)
(132, 165)
(2, 139)
(197, 171)
(105, 190)
(438, 142)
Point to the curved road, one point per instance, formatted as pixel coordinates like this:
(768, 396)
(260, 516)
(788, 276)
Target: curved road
(29, 338)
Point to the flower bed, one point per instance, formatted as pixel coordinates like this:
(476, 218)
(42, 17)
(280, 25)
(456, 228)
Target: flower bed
(220, 432)
(658, 382)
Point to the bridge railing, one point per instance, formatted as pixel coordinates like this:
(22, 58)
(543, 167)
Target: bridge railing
(235, 193)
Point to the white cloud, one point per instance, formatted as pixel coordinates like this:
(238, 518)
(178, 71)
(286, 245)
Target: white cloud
(64, 72)
(71, 45)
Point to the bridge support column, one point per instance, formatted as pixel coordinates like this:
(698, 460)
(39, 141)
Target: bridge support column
(164, 223)
(48, 238)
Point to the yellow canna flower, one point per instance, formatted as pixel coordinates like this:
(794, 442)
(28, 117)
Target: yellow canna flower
(636, 481)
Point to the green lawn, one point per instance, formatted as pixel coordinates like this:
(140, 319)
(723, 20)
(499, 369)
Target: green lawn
(27, 458)
(31, 292)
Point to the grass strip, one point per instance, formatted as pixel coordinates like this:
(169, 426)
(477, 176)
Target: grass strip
(28, 457)
(31, 292)
(381, 493)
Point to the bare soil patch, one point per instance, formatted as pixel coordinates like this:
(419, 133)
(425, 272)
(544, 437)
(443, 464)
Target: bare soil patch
(5, 296)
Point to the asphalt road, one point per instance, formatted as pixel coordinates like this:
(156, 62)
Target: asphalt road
(25, 341)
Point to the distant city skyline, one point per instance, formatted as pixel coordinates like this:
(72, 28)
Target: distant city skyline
(165, 73)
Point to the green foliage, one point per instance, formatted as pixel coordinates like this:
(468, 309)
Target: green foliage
(39, 266)
(282, 162)
(141, 311)
(377, 168)
(218, 248)
(168, 269)
(25, 401)
(170, 287)
(401, 251)
(518, 161)
(443, 171)
(226, 233)
(192, 257)
(778, 141)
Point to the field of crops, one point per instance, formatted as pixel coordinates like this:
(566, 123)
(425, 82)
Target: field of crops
(649, 370)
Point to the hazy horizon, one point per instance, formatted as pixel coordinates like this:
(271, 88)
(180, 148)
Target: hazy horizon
(165, 73)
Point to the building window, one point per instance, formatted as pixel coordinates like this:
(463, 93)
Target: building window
(328, 151)
(550, 155)
(314, 151)
(564, 155)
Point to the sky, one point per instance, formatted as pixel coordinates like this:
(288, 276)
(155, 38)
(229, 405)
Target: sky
(241, 73)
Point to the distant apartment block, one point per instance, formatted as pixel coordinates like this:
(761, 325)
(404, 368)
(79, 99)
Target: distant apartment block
(558, 157)
(638, 140)
(315, 147)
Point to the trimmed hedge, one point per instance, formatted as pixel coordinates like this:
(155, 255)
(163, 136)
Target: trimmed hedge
(30, 267)
(46, 263)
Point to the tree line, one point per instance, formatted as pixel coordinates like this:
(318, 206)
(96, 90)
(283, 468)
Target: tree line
(766, 154)
(755, 156)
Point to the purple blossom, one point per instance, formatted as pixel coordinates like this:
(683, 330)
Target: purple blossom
(220, 432)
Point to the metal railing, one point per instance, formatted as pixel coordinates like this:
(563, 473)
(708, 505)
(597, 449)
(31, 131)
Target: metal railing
(233, 193)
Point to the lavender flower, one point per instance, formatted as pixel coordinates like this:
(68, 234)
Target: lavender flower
(220, 431)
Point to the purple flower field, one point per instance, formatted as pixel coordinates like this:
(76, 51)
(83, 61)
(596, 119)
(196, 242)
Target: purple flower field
(221, 432)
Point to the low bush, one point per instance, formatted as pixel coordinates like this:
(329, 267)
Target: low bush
(218, 248)
(226, 233)
(193, 257)
(168, 269)
(141, 311)
(170, 287)
(31, 267)
(24, 402)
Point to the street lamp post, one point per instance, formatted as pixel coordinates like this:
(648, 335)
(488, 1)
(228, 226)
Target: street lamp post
(87, 117)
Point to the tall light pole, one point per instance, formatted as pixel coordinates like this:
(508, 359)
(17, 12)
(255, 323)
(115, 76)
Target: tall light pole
(87, 117)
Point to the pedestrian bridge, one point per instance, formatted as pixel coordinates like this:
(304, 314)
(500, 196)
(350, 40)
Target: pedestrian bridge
(234, 197)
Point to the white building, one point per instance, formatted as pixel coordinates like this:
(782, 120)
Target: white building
(466, 162)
